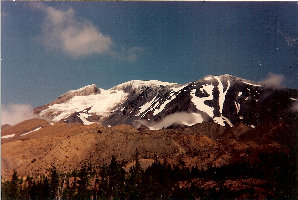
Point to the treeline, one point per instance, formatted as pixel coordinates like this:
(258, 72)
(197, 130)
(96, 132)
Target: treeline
(159, 181)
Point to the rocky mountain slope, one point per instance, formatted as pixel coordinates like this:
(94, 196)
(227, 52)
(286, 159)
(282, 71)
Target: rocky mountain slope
(37, 145)
(225, 100)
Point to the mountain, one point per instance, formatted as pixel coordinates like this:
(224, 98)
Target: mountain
(230, 135)
(225, 100)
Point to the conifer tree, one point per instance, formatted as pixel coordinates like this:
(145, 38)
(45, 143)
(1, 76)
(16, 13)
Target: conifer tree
(103, 184)
(11, 189)
(54, 183)
(116, 179)
(83, 184)
(67, 193)
(135, 179)
(45, 188)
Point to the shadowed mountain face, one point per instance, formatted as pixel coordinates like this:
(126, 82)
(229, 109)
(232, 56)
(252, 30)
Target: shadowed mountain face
(225, 100)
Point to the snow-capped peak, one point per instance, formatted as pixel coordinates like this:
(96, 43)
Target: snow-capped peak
(86, 90)
(224, 99)
(139, 84)
(85, 87)
(231, 77)
(210, 77)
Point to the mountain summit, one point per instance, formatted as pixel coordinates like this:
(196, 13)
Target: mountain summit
(223, 99)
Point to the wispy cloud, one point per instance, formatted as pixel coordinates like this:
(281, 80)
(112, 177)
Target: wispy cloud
(178, 118)
(62, 30)
(78, 37)
(130, 54)
(14, 113)
(273, 80)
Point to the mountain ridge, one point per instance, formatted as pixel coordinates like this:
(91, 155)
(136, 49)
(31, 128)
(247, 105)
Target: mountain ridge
(224, 99)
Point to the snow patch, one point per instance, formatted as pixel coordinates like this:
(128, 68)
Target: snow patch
(199, 101)
(221, 121)
(146, 106)
(293, 99)
(237, 106)
(31, 131)
(140, 83)
(83, 88)
(257, 85)
(239, 94)
(162, 106)
(83, 117)
(101, 104)
(222, 93)
(177, 89)
(208, 78)
(252, 126)
(7, 136)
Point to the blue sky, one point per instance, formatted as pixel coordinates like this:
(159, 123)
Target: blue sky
(53, 47)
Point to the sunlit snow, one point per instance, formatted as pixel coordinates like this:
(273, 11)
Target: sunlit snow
(7, 136)
(83, 117)
(100, 104)
(177, 89)
(237, 106)
(199, 101)
(140, 83)
(161, 107)
(83, 88)
(208, 78)
(146, 106)
(222, 93)
(31, 131)
(252, 84)
(221, 121)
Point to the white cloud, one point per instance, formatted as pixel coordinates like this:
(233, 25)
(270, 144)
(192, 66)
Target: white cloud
(273, 80)
(62, 30)
(15, 113)
(180, 118)
(78, 37)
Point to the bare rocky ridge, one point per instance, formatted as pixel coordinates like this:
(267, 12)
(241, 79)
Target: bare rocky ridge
(67, 146)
